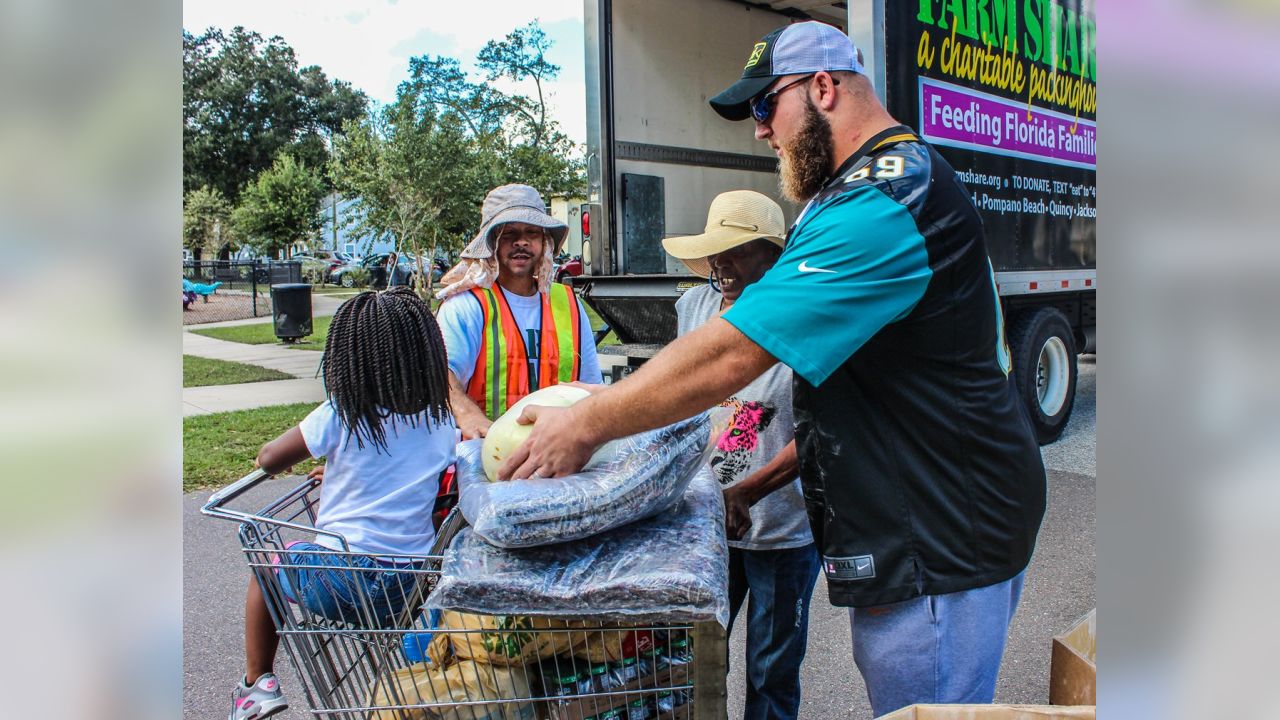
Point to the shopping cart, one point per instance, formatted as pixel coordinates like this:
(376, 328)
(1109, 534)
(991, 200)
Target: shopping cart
(371, 664)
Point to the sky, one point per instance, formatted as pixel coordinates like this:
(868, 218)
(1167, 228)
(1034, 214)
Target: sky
(368, 43)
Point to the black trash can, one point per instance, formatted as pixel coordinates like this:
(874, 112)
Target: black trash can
(291, 310)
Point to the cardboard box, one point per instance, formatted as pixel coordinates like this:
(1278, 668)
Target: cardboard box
(1073, 670)
(992, 712)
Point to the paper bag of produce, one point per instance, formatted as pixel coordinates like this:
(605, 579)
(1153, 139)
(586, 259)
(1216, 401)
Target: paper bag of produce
(423, 684)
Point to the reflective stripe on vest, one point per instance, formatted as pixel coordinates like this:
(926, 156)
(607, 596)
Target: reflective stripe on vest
(501, 376)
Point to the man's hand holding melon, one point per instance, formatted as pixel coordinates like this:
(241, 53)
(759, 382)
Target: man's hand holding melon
(548, 407)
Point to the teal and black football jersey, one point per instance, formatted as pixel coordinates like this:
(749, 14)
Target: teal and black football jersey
(920, 468)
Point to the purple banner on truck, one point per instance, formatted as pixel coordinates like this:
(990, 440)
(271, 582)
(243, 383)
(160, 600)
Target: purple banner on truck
(961, 117)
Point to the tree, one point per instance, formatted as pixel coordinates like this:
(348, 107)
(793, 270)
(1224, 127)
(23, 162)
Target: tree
(522, 56)
(416, 176)
(244, 100)
(205, 215)
(421, 166)
(281, 207)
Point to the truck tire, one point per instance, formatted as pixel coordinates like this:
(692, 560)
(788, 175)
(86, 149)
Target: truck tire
(1044, 369)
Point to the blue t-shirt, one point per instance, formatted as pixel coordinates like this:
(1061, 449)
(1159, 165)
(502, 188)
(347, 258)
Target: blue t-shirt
(462, 324)
(379, 499)
(822, 300)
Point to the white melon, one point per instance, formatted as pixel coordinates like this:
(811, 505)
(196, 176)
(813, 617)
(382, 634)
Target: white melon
(505, 435)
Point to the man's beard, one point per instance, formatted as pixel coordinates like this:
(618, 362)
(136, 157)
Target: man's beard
(808, 158)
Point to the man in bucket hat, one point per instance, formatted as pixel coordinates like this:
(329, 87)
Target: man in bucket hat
(508, 329)
(771, 552)
(921, 472)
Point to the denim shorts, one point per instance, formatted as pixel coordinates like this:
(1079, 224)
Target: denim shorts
(344, 587)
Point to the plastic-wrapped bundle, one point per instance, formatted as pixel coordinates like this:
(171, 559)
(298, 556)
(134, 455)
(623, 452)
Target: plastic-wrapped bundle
(672, 567)
(644, 475)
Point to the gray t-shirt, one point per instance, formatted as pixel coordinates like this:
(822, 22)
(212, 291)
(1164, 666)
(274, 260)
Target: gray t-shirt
(762, 426)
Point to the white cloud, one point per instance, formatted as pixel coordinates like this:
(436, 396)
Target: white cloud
(368, 43)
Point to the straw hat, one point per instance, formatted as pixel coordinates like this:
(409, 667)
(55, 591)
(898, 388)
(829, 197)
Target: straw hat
(734, 218)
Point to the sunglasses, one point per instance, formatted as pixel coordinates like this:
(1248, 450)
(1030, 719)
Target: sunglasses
(762, 106)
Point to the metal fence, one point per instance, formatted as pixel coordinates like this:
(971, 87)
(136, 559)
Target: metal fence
(217, 290)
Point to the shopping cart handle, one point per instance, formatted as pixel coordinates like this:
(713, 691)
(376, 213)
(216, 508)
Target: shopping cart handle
(234, 490)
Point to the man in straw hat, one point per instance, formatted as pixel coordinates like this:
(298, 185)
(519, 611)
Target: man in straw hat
(508, 329)
(771, 552)
(921, 473)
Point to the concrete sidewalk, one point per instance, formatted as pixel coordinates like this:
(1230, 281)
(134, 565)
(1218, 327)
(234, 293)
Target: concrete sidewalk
(245, 396)
(301, 364)
(298, 363)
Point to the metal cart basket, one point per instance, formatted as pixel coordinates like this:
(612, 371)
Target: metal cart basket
(382, 658)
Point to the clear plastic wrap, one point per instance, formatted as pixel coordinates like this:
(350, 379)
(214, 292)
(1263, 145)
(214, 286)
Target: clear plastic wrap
(671, 567)
(643, 475)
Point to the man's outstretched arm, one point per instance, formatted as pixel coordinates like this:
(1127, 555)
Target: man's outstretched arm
(691, 374)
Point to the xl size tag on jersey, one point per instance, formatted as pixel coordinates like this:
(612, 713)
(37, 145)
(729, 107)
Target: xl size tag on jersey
(858, 567)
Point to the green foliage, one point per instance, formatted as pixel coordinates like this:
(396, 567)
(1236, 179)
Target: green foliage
(313, 272)
(244, 101)
(421, 166)
(281, 207)
(220, 448)
(199, 371)
(360, 277)
(204, 212)
(522, 56)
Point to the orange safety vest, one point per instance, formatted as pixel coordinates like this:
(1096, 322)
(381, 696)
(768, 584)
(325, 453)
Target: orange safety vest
(501, 375)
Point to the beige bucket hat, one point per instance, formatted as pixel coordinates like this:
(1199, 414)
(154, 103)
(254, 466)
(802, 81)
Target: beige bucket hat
(734, 218)
(512, 203)
(508, 203)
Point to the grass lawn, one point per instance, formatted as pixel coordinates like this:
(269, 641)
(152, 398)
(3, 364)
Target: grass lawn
(263, 333)
(219, 449)
(198, 371)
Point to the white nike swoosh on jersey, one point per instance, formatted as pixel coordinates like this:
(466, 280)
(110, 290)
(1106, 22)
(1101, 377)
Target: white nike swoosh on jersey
(804, 267)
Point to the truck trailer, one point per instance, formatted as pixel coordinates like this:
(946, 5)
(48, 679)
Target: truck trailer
(1004, 89)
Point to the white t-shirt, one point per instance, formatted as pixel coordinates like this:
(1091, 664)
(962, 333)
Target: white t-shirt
(461, 321)
(379, 499)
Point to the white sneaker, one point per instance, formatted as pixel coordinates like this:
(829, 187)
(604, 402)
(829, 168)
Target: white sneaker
(262, 700)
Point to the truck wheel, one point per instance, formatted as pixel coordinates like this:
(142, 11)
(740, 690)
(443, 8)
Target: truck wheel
(1044, 369)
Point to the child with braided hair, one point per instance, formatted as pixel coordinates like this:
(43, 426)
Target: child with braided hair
(388, 434)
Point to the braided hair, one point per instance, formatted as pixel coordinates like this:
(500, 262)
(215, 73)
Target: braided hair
(384, 356)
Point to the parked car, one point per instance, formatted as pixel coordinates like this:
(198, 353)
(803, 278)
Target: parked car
(566, 266)
(376, 264)
(323, 262)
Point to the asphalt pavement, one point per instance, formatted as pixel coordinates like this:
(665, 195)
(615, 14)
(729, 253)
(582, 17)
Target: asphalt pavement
(1060, 587)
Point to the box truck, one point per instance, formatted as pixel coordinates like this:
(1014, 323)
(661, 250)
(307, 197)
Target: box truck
(1005, 89)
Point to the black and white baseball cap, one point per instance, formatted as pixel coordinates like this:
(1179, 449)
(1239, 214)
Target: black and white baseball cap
(806, 47)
